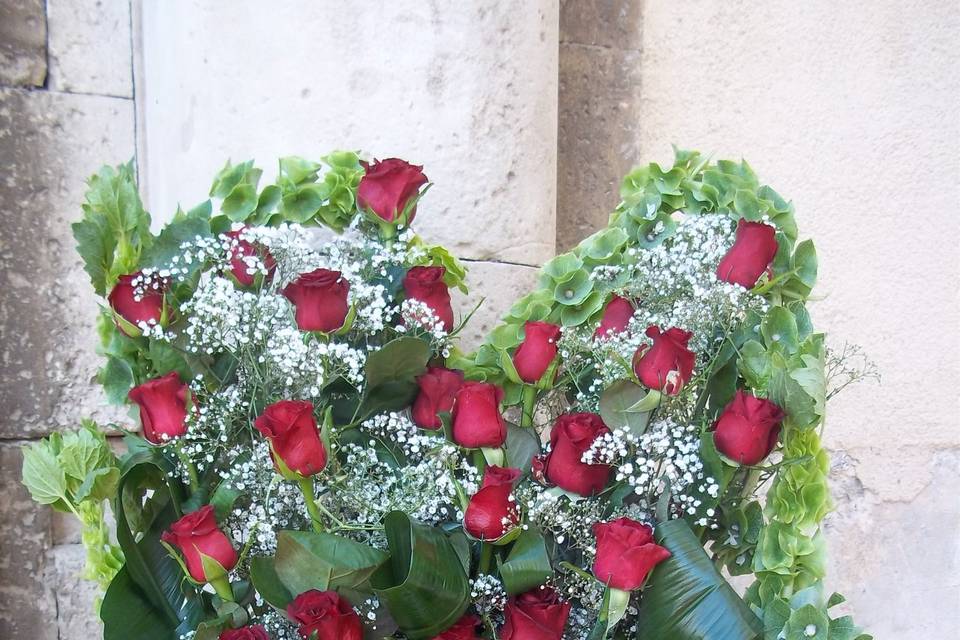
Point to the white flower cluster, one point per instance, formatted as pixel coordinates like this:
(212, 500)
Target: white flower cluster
(488, 595)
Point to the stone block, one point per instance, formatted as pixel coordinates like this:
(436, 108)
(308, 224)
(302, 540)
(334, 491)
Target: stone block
(49, 144)
(499, 285)
(90, 47)
(76, 616)
(23, 43)
(614, 24)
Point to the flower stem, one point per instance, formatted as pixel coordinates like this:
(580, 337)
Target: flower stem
(529, 398)
(486, 554)
(306, 488)
(222, 586)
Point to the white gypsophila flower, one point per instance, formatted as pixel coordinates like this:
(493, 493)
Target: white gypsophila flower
(488, 595)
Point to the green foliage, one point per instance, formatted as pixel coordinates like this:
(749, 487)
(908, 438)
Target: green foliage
(306, 560)
(528, 564)
(391, 374)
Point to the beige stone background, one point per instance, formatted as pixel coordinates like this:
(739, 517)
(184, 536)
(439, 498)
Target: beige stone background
(525, 113)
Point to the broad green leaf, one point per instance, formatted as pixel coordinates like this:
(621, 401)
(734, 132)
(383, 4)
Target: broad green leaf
(240, 202)
(528, 564)
(116, 377)
(99, 485)
(267, 582)
(618, 406)
(298, 170)
(43, 474)
(391, 374)
(779, 329)
(522, 445)
(307, 560)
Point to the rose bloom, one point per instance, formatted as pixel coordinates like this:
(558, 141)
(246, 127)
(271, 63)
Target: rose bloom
(326, 614)
(163, 407)
(492, 512)
(748, 428)
(197, 533)
(535, 615)
(320, 298)
(751, 254)
(123, 299)
(438, 388)
(253, 632)
(626, 553)
(388, 185)
(426, 285)
(538, 349)
(463, 629)
(570, 438)
(477, 421)
(668, 364)
(294, 438)
(616, 317)
(244, 249)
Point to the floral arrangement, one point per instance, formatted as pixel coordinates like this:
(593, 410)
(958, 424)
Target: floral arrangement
(317, 458)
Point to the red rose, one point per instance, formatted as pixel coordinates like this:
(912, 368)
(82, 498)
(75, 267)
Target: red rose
(572, 435)
(626, 553)
(438, 388)
(163, 407)
(477, 421)
(321, 300)
(538, 349)
(388, 186)
(616, 317)
(326, 614)
(535, 615)
(137, 298)
(253, 632)
(668, 364)
(492, 512)
(293, 435)
(463, 629)
(426, 285)
(241, 249)
(751, 254)
(197, 533)
(748, 428)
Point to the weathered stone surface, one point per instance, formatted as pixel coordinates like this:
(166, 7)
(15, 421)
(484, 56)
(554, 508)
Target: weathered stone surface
(499, 285)
(28, 606)
(23, 43)
(90, 47)
(76, 617)
(614, 24)
(49, 144)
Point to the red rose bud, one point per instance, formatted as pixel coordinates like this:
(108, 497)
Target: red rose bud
(320, 298)
(616, 317)
(748, 428)
(294, 439)
(751, 254)
(626, 553)
(535, 615)
(387, 187)
(253, 632)
(463, 629)
(426, 285)
(240, 251)
(492, 512)
(438, 388)
(163, 407)
(538, 349)
(571, 437)
(477, 421)
(326, 614)
(137, 298)
(668, 364)
(196, 533)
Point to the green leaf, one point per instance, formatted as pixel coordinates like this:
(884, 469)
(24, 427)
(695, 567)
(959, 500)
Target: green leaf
(302, 203)
(116, 377)
(621, 407)
(127, 613)
(99, 485)
(747, 205)
(240, 203)
(267, 583)
(528, 564)
(391, 374)
(297, 169)
(307, 560)
(522, 445)
(183, 228)
(423, 584)
(687, 599)
(779, 329)
(43, 474)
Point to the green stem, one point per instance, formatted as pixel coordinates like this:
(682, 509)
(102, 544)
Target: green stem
(222, 586)
(529, 398)
(306, 488)
(486, 554)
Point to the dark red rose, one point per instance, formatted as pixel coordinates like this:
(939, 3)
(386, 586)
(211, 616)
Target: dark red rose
(572, 435)
(197, 533)
(626, 553)
(326, 614)
(535, 615)
(538, 349)
(388, 186)
(426, 285)
(751, 254)
(492, 512)
(293, 435)
(137, 298)
(616, 317)
(748, 428)
(438, 387)
(241, 249)
(463, 629)
(163, 407)
(321, 300)
(668, 364)
(477, 421)
(253, 632)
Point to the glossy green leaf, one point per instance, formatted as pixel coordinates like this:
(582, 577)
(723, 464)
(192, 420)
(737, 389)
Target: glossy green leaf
(307, 560)
(391, 374)
(621, 406)
(522, 445)
(528, 564)
(264, 576)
